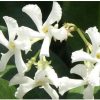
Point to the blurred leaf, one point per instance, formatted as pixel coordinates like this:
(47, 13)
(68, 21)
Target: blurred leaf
(6, 92)
(75, 93)
(8, 68)
(3, 28)
(97, 92)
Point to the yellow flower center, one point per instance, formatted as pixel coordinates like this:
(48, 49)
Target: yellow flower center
(98, 55)
(45, 29)
(11, 45)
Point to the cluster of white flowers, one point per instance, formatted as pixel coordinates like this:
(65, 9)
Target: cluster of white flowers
(22, 38)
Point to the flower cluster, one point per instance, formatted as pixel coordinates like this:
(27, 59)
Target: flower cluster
(22, 38)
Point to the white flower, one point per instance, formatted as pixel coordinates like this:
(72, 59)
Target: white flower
(18, 40)
(43, 78)
(47, 29)
(94, 56)
(91, 78)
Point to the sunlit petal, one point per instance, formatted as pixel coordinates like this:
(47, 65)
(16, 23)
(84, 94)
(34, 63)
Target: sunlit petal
(45, 46)
(21, 67)
(35, 13)
(51, 91)
(80, 70)
(55, 14)
(59, 34)
(66, 84)
(12, 27)
(19, 79)
(94, 76)
(24, 88)
(94, 36)
(80, 55)
(4, 60)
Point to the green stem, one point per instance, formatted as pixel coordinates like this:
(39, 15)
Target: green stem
(84, 39)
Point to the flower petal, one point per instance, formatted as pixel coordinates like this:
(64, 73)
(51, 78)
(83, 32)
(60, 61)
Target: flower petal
(94, 76)
(52, 76)
(80, 70)
(59, 34)
(35, 13)
(51, 91)
(4, 60)
(24, 88)
(80, 55)
(88, 93)
(94, 36)
(45, 47)
(21, 67)
(28, 32)
(55, 14)
(66, 84)
(3, 40)
(12, 27)
(19, 79)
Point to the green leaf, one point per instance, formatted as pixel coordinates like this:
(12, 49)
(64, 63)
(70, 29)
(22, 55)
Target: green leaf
(6, 92)
(3, 28)
(75, 93)
(8, 68)
(97, 92)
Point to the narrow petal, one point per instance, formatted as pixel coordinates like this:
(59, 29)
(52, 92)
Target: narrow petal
(20, 79)
(24, 88)
(35, 14)
(4, 60)
(52, 76)
(45, 47)
(12, 27)
(59, 34)
(28, 32)
(66, 84)
(94, 76)
(21, 67)
(51, 91)
(80, 70)
(80, 55)
(3, 40)
(55, 14)
(94, 36)
(88, 93)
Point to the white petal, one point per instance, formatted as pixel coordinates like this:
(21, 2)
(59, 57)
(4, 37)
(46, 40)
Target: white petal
(94, 76)
(21, 67)
(51, 91)
(12, 26)
(80, 70)
(3, 40)
(28, 32)
(55, 14)
(19, 79)
(52, 76)
(24, 88)
(59, 34)
(88, 93)
(23, 44)
(45, 47)
(4, 60)
(80, 55)
(35, 13)
(94, 36)
(66, 84)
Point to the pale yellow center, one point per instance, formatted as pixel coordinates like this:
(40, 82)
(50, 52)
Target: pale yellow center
(98, 55)
(11, 45)
(45, 29)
